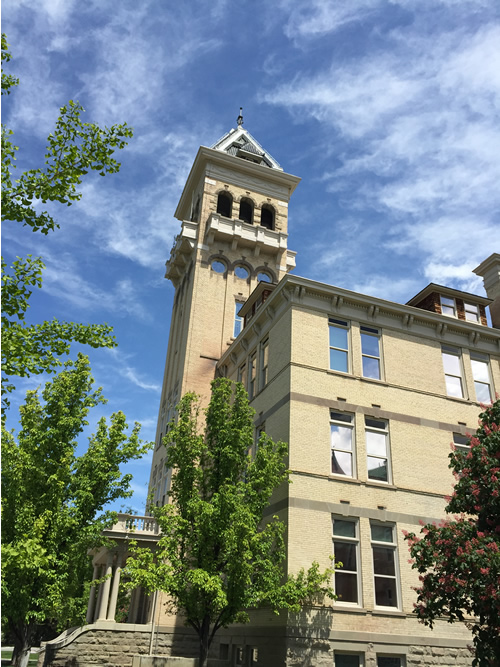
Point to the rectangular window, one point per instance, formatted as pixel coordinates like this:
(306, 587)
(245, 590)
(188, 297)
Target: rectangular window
(264, 363)
(341, 439)
(346, 551)
(452, 364)
(377, 449)
(238, 321)
(370, 352)
(471, 312)
(252, 375)
(384, 564)
(389, 661)
(481, 373)
(448, 306)
(347, 660)
(461, 442)
(242, 374)
(339, 345)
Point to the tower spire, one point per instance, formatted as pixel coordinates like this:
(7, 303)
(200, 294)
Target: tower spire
(239, 120)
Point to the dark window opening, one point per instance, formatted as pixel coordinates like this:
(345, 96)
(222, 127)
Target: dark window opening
(225, 204)
(246, 211)
(267, 216)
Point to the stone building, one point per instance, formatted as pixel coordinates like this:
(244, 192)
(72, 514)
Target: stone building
(368, 393)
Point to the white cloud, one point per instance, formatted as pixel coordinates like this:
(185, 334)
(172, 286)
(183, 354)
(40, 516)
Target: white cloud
(416, 130)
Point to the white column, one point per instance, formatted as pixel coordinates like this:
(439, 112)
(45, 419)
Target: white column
(90, 607)
(99, 592)
(132, 608)
(114, 589)
(103, 605)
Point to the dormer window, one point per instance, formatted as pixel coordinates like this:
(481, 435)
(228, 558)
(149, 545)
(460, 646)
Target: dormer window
(267, 216)
(246, 210)
(225, 204)
(471, 312)
(448, 306)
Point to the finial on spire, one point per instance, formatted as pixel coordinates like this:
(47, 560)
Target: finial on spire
(240, 118)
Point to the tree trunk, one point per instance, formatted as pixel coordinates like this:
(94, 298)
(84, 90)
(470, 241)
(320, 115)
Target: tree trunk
(23, 640)
(204, 636)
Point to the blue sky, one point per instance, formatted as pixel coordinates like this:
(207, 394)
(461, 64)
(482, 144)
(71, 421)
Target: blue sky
(387, 109)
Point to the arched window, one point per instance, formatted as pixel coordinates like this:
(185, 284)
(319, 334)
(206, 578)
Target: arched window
(225, 204)
(264, 277)
(218, 266)
(246, 210)
(267, 216)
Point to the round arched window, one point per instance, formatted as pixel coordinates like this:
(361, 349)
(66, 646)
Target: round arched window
(218, 266)
(241, 272)
(264, 277)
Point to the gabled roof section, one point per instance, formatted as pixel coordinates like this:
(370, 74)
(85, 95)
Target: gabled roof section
(240, 143)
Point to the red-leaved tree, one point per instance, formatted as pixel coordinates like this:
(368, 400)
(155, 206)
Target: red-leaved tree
(459, 560)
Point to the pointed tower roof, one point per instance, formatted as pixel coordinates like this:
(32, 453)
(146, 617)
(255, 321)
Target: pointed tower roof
(240, 143)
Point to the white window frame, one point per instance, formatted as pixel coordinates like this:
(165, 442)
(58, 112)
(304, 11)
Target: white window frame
(344, 420)
(264, 363)
(334, 323)
(392, 547)
(238, 321)
(446, 307)
(242, 374)
(450, 351)
(380, 427)
(472, 310)
(252, 375)
(372, 332)
(461, 442)
(339, 572)
(477, 357)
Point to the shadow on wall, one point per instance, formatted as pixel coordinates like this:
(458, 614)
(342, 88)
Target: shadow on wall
(309, 641)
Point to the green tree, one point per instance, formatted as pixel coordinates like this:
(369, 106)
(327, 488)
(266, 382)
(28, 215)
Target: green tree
(53, 502)
(73, 149)
(459, 560)
(217, 556)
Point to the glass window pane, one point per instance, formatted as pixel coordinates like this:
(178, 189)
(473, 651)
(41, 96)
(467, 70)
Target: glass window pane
(451, 364)
(370, 345)
(338, 337)
(376, 443)
(385, 592)
(388, 661)
(218, 267)
(375, 423)
(344, 528)
(341, 463)
(383, 561)
(343, 660)
(377, 469)
(341, 437)
(340, 417)
(483, 393)
(480, 370)
(338, 360)
(346, 587)
(454, 386)
(371, 368)
(381, 533)
(345, 553)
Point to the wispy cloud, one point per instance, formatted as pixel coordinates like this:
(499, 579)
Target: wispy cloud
(123, 368)
(417, 127)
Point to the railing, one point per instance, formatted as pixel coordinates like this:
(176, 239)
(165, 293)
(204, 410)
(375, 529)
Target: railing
(139, 525)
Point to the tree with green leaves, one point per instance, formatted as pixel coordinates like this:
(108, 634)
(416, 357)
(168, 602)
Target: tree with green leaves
(53, 502)
(73, 149)
(219, 555)
(459, 560)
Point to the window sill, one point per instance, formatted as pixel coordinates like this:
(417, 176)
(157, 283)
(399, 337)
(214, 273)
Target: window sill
(345, 608)
(381, 485)
(342, 478)
(388, 612)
